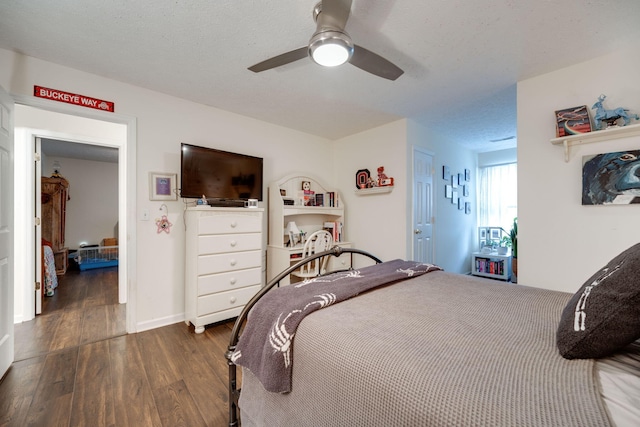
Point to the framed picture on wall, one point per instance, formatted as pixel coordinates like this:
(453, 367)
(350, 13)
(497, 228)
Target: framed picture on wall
(163, 186)
(446, 173)
(448, 191)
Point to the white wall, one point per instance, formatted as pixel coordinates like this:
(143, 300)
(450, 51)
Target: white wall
(376, 223)
(454, 231)
(381, 223)
(163, 122)
(498, 157)
(560, 242)
(92, 209)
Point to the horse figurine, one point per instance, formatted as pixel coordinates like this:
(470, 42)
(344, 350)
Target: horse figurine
(610, 116)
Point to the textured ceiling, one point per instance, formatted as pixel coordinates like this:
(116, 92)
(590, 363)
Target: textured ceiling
(461, 58)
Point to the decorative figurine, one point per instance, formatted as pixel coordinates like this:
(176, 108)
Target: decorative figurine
(383, 179)
(610, 117)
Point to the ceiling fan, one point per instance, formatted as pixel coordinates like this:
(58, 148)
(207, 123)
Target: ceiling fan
(330, 45)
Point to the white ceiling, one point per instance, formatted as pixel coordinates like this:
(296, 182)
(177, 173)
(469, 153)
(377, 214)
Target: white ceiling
(461, 58)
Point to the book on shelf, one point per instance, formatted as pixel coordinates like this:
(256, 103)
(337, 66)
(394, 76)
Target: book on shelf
(489, 266)
(335, 228)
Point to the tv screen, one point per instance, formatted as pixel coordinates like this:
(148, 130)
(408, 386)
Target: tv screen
(218, 174)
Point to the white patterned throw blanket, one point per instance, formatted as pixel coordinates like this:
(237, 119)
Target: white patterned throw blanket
(265, 346)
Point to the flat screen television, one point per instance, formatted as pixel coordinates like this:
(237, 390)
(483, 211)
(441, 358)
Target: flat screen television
(219, 175)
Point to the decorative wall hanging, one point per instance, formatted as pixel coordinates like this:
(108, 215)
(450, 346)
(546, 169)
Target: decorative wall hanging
(163, 186)
(362, 178)
(611, 179)
(163, 223)
(446, 173)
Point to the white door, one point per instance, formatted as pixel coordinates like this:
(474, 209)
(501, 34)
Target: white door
(422, 206)
(37, 172)
(6, 231)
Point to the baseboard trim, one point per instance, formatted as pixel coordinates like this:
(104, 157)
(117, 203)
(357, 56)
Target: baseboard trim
(158, 323)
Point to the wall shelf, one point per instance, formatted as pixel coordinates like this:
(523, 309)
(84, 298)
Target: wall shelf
(595, 136)
(374, 190)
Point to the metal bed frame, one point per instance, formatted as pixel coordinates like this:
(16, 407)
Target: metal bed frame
(234, 392)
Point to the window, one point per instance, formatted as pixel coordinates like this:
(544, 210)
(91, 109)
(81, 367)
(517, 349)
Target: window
(498, 196)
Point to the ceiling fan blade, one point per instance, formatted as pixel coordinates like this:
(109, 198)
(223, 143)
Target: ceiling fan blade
(335, 13)
(374, 63)
(280, 60)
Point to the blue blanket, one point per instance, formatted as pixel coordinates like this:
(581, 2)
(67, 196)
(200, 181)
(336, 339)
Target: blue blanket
(265, 346)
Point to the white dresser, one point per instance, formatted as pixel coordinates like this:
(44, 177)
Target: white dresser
(223, 265)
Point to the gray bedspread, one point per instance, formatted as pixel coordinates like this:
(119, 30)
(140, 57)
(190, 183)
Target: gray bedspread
(265, 346)
(437, 350)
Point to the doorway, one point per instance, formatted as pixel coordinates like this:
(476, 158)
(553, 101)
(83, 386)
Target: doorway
(76, 199)
(47, 119)
(422, 206)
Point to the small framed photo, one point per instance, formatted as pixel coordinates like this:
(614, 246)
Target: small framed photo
(465, 190)
(460, 179)
(454, 181)
(454, 198)
(467, 175)
(448, 191)
(467, 208)
(446, 173)
(483, 231)
(460, 204)
(495, 233)
(163, 186)
(283, 192)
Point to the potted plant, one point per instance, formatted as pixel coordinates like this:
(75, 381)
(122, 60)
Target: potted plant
(513, 236)
(505, 244)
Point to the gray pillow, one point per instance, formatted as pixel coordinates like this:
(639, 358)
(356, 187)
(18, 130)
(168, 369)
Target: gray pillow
(604, 315)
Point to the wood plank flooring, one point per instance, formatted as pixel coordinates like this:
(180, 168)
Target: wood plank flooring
(75, 366)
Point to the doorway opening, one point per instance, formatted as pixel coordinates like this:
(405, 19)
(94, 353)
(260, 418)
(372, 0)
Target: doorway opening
(47, 120)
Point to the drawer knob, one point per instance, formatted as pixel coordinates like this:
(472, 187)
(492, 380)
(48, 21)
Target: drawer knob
(233, 243)
(233, 262)
(232, 300)
(233, 281)
(234, 224)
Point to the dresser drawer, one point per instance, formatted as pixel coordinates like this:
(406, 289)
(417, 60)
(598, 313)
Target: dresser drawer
(222, 243)
(225, 300)
(208, 264)
(213, 283)
(245, 221)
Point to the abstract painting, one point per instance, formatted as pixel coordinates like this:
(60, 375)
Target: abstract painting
(611, 178)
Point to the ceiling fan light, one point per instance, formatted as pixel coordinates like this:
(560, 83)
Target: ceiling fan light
(330, 48)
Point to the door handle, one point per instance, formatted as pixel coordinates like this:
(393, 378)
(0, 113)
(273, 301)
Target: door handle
(417, 231)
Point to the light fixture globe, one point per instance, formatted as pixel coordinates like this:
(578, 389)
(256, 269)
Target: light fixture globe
(330, 48)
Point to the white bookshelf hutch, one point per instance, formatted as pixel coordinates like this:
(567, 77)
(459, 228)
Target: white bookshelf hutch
(307, 218)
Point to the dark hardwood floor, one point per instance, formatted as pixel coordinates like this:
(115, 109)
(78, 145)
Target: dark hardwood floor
(76, 366)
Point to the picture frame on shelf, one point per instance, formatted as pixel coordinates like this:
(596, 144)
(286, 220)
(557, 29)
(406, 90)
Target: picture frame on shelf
(572, 121)
(163, 186)
(495, 234)
(483, 233)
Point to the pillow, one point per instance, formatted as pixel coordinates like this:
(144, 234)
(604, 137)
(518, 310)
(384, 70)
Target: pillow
(604, 315)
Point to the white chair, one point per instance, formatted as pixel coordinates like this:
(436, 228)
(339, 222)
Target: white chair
(317, 242)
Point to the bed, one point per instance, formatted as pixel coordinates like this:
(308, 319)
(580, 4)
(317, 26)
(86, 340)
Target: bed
(443, 349)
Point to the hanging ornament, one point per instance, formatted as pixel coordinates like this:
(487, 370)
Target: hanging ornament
(163, 224)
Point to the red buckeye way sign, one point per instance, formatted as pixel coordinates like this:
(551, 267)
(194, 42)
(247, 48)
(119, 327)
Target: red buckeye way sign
(72, 98)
